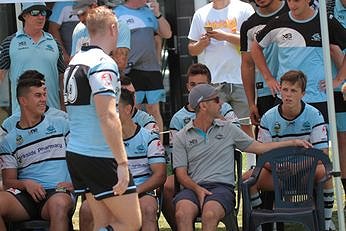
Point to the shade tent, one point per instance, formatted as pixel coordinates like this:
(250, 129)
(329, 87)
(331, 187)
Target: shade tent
(331, 113)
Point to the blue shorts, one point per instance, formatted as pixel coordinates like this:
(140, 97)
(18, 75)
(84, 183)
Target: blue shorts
(150, 97)
(341, 121)
(222, 193)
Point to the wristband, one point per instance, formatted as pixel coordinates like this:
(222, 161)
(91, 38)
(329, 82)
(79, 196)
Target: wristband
(157, 17)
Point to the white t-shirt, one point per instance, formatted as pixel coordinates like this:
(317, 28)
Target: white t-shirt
(222, 58)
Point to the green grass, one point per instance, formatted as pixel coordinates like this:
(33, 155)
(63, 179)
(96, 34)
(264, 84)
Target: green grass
(165, 227)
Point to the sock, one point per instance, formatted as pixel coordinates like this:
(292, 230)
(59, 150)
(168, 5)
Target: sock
(328, 198)
(344, 184)
(256, 201)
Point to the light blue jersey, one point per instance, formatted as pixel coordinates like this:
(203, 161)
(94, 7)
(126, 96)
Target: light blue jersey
(80, 37)
(143, 149)
(18, 53)
(145, 120)
(62, 15)
(340, 12)
(38, 153)
(10, 122)
(309, 125)
(91, 72)
(143, 25)
(248, 31)
(300, 48)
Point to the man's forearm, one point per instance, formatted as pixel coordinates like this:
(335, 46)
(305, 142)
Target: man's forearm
(195, 48)
(248, 77)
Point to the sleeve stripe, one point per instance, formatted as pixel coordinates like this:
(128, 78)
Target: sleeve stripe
(264, 128)
(105, 91)
(104, 70)
(153, 141)
(320, 124)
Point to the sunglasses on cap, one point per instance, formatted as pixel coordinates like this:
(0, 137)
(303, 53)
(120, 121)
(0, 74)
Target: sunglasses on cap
(38, 12)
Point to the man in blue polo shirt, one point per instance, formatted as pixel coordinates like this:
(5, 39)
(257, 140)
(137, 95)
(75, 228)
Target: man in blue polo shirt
(32, 48)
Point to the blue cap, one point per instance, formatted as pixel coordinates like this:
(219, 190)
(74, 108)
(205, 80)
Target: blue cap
(29, 6)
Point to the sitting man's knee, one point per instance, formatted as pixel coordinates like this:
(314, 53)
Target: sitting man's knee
(209, 215)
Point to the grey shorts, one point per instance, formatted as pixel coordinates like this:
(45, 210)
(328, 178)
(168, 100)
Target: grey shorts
(234, 94)
(222, 193)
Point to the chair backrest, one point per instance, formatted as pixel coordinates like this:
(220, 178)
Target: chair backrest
(293, 170)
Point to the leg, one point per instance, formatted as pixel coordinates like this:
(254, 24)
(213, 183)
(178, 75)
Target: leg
(154, 110)
(86, 222)
(250, 157)
(168, 207)
(57, 210)
(185, 214)
(212, 213)
(126, 210)
(10, 209)
(148, 206)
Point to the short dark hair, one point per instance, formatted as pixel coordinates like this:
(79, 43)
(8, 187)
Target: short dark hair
(125, 81)
(199, 69)
(295, 76)
(127, 97)
(30, 78)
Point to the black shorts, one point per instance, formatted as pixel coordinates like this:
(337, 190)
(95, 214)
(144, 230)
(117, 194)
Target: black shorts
(94, 174)
(32, 207)
(323, 108)
(340, 103)
(146, 80)
(265, 103)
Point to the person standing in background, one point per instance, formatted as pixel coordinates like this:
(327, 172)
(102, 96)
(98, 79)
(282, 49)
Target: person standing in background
(32, 48)
(61, 25)
(215, 39)
(143, 66)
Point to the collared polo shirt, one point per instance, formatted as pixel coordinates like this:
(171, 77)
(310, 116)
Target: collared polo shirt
(209, 157)
(19, 53)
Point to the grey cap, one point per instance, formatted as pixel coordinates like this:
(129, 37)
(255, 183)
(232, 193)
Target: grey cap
(201, 92)
(82, 5)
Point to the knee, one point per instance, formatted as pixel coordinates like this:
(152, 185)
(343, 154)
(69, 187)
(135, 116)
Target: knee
(209, 216)
(60, 206)
(182, 216)
(148, 212)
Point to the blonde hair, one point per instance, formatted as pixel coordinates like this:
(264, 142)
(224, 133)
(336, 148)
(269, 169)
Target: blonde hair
(99, 19)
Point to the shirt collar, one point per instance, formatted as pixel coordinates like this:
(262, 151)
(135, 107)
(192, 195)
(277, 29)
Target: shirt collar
(45, 35)
(216, 122)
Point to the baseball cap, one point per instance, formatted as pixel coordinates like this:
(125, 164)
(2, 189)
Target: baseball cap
(110, 3)
(29, 6)
(200, 93)
(82, 5)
